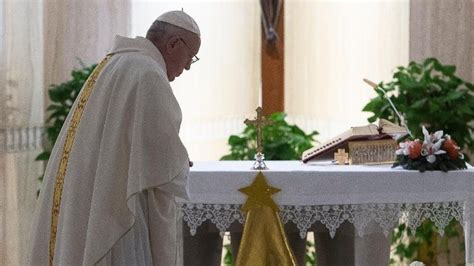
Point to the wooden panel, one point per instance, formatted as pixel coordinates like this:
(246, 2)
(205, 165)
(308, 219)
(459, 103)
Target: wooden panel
(272, 71)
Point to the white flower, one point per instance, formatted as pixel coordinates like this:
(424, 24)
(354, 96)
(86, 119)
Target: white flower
(432, 145)
(432, 137)
(404, 148)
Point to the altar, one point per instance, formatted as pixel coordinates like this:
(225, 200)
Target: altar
(331, 194)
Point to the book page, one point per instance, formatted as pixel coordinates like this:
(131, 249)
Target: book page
(390, 128)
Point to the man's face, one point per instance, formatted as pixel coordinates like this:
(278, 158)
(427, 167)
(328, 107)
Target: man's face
(180, 53)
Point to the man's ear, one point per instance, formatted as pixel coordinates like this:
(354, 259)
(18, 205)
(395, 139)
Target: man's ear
(171, 44)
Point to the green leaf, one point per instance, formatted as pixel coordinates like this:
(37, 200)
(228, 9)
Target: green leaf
(469, 86)
(372, 118)
(54, 107)
(373, 104)
(236, 140)
(228, 260)
(448, 70)
(407, 81)
(279, 116)
(419, 103)
(228, 157)
(454, 95)
(44, 156)
(54, 95)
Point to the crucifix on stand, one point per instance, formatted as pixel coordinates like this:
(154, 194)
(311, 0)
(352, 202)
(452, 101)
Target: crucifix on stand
(259, 122)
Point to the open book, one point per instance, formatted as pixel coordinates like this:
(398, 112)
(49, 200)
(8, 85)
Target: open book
(384, 130)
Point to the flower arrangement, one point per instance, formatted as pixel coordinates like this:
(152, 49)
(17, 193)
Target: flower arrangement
(435, 152)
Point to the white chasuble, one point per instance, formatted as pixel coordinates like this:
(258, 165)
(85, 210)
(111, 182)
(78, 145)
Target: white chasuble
(115, 169)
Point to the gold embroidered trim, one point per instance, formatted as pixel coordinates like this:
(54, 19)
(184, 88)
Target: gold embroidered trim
(71, 133)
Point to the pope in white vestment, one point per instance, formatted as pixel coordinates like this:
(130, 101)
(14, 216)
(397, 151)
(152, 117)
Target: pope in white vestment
(108, 194)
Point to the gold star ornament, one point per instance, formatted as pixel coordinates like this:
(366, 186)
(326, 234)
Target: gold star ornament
(263, 239)
(260, 194)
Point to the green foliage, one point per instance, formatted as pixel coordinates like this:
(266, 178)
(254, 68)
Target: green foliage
(310, 257)
(429, 94)
(62, 97)
(228, 255)
(422, 244)
(281, 141)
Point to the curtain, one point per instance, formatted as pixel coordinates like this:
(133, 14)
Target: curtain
(80, 32)
(223, 87)
(21, 114)
(330, 47)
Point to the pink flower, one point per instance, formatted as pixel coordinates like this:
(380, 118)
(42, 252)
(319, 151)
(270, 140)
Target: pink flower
(414, 149)
(451, 147)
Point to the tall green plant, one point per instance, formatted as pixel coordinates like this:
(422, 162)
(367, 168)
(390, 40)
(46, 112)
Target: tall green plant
(428, 94)
(62, 97)
(281, 141)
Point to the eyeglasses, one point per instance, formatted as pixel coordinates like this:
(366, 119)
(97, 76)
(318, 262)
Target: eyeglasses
(195, 58)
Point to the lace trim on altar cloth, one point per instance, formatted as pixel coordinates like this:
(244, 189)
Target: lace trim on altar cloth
(386, 215)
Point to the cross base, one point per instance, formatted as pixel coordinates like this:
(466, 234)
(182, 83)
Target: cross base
(259, 164)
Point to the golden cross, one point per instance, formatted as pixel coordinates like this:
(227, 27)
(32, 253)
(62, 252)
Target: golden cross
(259, 122)
(341, 156)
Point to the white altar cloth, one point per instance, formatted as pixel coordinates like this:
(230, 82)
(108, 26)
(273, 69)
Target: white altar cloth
(331, 194)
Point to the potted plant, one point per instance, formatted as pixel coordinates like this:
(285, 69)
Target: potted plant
(431, 95)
